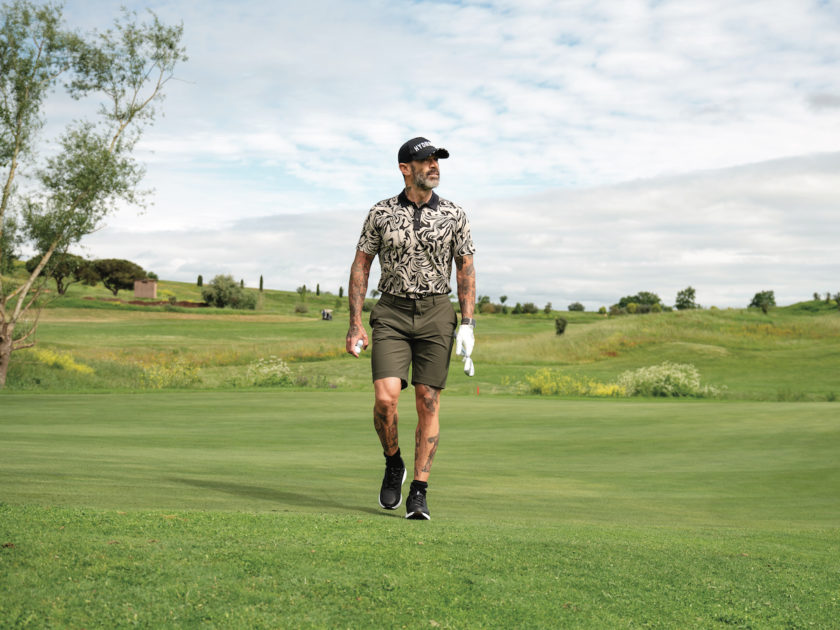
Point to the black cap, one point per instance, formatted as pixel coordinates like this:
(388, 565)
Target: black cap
(419, 149)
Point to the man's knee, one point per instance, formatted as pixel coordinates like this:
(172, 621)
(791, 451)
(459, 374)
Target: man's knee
(427, 397)
(386, 405)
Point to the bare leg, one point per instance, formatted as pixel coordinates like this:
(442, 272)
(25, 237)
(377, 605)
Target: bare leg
(428, 429)
(387, 391)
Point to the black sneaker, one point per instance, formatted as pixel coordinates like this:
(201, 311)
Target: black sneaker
(390, 494)
(415, 506)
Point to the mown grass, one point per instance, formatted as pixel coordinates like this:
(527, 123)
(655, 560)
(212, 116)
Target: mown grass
(258, 509)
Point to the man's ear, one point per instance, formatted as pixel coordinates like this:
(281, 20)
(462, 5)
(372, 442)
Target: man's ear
(405, 169)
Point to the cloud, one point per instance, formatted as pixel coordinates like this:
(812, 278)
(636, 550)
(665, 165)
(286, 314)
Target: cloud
(729, 233)
(601, 148)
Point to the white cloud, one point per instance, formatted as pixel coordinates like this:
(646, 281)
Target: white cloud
(728, 233)
(636, 117)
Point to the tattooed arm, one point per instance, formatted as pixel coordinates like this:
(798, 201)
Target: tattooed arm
(465, 276)
(359, 273)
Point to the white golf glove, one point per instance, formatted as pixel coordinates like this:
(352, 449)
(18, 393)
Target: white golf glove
(464, 343)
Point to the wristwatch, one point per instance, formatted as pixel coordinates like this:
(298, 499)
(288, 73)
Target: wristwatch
(466, 321)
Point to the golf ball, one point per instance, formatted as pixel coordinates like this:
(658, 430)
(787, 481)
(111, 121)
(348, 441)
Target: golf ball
(359, 345)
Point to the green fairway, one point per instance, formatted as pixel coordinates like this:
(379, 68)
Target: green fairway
(258, 509)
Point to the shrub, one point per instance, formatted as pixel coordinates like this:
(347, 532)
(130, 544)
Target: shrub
(176, 373)
(269, 371)
(301, 308)
(487, 307)
(224, 291)
(602, 310)
(60, 361)
(548, 382)
(666, 379)
(560, 325)
(529, 308)
(577, 306)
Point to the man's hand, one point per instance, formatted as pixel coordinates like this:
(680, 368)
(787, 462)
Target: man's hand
(464, 343)
(357, 340)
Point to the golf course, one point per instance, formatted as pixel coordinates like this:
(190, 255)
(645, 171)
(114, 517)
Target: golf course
(170, 467)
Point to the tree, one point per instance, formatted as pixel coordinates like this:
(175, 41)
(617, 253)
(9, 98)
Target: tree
(9, 241)
(224, 291)
(547, 309)
(261, 284)
(763, 300)
(301, 290)
(837, 299)
(577, 306)
(642, 297)
(317, 289)
(502, 299)
(200, 281)
(685, 299)
(117, 274)
(90, 168)
(65, 269)
(341, 291)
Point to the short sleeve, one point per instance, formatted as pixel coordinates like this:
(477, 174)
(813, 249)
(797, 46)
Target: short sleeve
(370, 239)
(462, 243)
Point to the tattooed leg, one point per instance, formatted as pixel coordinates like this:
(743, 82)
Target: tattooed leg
(385, 418)
(428, 430)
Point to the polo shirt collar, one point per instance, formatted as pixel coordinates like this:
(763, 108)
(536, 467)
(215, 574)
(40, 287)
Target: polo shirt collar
(433, 201)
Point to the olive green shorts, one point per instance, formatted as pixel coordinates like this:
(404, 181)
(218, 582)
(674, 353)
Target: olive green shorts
(412, 332)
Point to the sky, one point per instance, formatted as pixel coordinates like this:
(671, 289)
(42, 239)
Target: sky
(598, 148)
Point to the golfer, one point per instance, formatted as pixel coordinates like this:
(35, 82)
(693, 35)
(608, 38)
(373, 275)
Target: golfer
(416, 235)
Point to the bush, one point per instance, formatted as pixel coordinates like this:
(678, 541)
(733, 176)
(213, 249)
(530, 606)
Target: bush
(224, 291)
(577, 306)
(301, 308)
(548, 382)
(560, 325)
(60, 360)
(487, 307)
(529, 308)
(269, 371)
(176, 373)
(667, 380)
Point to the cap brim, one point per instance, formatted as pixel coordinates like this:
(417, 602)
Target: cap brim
(440, 154)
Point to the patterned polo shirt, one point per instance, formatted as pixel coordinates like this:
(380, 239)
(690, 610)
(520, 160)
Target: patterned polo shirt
(416, 246)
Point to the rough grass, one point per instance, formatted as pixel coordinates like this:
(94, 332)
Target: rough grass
(790, 354)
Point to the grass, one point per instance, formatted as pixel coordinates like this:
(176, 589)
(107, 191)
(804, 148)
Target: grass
(217, 503)
(790, 354)
(257, 509)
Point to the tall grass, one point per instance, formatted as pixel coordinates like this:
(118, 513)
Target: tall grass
(789, 354)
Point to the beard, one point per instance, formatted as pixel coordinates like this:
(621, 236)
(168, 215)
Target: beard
(425, 180)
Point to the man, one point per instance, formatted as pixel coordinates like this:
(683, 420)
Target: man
(416, 235)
